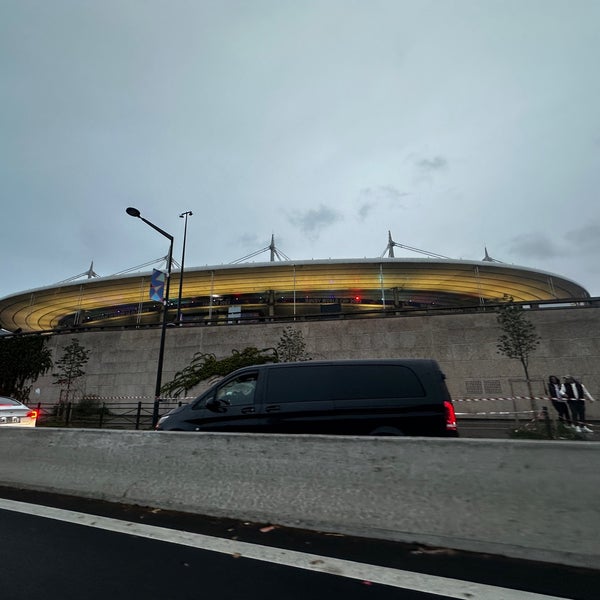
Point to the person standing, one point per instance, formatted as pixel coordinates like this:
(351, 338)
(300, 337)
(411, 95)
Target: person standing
(576, 393)
(559, 401)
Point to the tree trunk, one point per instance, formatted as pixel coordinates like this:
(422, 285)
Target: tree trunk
(531, 398)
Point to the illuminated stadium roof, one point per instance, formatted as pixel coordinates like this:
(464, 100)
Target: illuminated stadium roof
(287, 288)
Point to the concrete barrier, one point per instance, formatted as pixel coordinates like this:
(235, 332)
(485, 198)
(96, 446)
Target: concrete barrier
(526, 499)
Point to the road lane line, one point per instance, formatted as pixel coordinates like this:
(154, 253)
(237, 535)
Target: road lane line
(431, 584)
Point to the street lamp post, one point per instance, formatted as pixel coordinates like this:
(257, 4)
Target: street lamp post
(134, 212)
(184, 215)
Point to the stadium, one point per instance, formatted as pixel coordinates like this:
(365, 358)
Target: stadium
(282, 288)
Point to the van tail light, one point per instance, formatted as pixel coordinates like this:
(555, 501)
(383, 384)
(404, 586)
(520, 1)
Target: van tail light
(32, 414)
(450, 416)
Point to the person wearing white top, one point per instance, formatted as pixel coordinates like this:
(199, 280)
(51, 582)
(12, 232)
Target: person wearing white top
(559, 401)
(576, 394)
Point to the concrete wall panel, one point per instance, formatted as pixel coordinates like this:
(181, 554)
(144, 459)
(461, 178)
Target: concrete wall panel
(525, 499)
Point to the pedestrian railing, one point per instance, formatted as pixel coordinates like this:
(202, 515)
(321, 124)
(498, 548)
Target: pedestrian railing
(102, 415)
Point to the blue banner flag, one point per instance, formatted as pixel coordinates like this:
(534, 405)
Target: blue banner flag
(157, 285)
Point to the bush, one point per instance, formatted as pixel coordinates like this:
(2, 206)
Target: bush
(89, 406)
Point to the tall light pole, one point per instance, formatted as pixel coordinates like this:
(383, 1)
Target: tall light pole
(134, 212)
(183, 215)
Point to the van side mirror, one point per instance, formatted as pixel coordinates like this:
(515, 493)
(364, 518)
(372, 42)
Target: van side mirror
(215, 405)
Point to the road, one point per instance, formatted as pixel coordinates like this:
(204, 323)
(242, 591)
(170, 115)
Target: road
(62, 548)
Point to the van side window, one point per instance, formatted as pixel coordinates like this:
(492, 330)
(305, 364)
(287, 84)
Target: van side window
(348, 382)
(238, 391)
(293, 384)
(376, 381)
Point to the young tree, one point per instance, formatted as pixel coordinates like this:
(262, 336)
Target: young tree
(518, 339)
(204, 366)
(291, 346)
(70, 366)
(23, 359)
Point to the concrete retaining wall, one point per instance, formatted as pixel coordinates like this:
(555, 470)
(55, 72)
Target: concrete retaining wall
(123, 363)
(525, 499)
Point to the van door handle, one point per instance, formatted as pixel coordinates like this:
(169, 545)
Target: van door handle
(248, 409)
(273, 408)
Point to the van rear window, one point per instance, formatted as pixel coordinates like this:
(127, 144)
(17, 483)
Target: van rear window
(318, 383)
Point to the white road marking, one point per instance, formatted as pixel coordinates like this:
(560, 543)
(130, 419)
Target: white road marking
(431, 584)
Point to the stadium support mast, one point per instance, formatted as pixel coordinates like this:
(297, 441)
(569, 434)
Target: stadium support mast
(488, 258)
(275, 253)
(392, 244)
(90, 272)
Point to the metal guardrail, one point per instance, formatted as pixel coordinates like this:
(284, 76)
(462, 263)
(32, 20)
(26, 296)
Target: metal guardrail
(104, 415)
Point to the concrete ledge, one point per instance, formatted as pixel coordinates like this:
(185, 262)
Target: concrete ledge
(526, 499)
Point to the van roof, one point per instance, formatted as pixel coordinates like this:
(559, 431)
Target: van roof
(412, 362)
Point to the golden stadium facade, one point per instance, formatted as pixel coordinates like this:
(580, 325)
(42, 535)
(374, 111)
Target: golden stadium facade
(269, 290)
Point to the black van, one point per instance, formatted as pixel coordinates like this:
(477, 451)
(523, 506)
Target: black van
(349, 397)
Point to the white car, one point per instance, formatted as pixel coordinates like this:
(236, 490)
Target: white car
(13, 412)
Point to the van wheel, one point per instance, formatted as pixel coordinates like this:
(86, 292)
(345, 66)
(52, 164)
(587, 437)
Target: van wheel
(387, 431)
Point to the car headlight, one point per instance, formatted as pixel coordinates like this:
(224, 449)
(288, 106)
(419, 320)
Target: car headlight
(161, 421)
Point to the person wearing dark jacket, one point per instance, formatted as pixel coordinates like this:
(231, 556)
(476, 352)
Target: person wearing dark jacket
(576, 394)
(559, 401)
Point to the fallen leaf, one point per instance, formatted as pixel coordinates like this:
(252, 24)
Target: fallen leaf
(267, 529)
(446, 551)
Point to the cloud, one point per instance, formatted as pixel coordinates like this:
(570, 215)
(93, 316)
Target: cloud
(250, 240)
(535, 245)
(427, 168)
(572, 242)
(313, 221)
(585, 238)
(429, 165)
(365, 209)
(372, 197)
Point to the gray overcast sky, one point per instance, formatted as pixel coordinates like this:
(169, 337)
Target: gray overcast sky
(454, 124)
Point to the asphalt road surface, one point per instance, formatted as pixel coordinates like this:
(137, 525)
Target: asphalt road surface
(62, 548)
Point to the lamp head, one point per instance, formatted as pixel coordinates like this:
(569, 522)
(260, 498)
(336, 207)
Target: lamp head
(133, 212)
